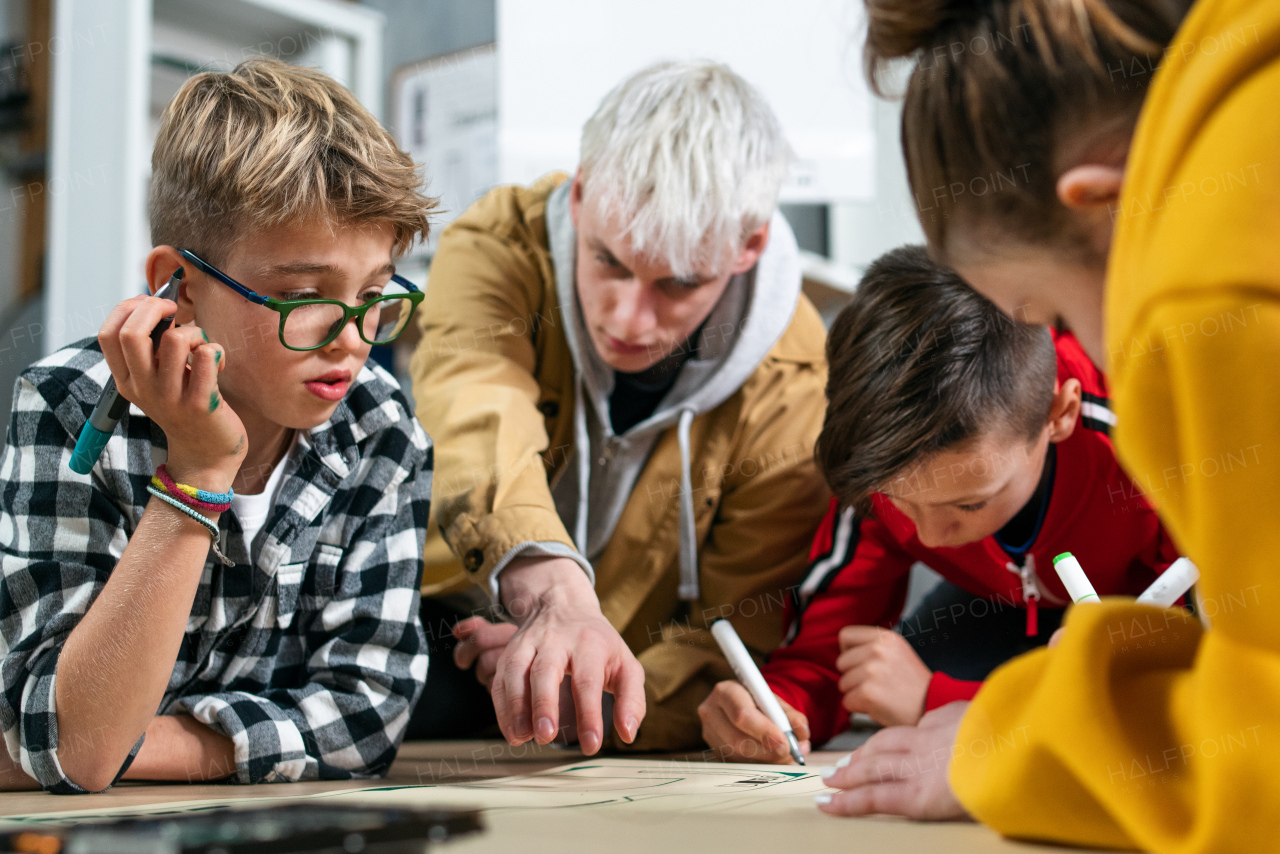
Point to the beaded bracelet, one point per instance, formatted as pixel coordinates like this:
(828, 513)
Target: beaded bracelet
(198, 499)
(207, 523)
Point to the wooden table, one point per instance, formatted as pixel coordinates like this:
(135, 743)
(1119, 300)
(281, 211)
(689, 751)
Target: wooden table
(552, 831)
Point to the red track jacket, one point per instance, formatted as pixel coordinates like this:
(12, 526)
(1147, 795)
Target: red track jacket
(859, 566)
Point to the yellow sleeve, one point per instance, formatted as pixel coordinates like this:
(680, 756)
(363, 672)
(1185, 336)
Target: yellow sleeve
(1141, 729)
(752, 555)
(477, 395)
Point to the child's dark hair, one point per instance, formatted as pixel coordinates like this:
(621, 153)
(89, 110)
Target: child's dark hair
(921, 362)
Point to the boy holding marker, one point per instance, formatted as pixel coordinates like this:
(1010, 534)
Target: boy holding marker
(231, 591)
(974, 444)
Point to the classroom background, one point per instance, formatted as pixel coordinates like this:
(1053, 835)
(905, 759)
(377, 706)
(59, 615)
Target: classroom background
(481, 92)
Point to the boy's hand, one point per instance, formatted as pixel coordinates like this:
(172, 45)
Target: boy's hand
(177, 387)
(737, 730)
(881, 675)
(900, 771)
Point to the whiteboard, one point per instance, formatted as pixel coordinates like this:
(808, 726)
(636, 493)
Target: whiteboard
(558, 58)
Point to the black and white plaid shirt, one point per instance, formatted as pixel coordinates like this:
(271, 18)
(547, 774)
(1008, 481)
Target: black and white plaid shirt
(309, 655)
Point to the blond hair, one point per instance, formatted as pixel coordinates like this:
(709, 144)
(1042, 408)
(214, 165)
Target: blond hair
(688, 159)
(268, 143)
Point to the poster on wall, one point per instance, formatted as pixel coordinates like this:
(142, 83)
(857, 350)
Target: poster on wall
(445, 114)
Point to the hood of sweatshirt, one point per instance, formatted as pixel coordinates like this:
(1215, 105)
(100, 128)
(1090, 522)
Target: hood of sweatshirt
(752, 314)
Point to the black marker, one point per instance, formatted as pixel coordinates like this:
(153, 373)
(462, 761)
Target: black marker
(112, 405)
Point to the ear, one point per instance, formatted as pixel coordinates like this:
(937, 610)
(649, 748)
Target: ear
(161, 263)
(1065, 410)
(1090, 185)
(752, 248)
(575, 198)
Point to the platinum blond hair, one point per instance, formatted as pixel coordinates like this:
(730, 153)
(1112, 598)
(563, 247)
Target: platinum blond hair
(688, 159)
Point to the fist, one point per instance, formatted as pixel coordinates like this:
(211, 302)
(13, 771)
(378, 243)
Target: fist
(881, 675)
(734, 727)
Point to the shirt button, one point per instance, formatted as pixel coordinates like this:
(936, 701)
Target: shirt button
(473, 560)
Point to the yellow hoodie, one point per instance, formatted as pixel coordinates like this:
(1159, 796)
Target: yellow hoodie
(1141, 729)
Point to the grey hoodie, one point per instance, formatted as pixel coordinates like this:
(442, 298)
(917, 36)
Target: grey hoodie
(750, 317)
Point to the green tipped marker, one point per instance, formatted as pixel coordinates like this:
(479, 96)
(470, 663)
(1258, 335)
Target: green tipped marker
(1074, 579)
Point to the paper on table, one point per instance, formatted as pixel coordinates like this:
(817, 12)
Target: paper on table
(626, 784)
(632, 784)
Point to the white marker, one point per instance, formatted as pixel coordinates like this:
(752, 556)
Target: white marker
(1074, 579)
(749, 675)
(1172, 583)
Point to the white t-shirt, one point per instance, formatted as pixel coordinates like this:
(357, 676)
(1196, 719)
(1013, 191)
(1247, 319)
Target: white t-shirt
(252, 510)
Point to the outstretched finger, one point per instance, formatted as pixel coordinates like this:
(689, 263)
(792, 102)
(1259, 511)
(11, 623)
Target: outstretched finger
(625, 681)
(864, 769)
(510, 692)
(545, 675)
(894, 798)
(587, 668)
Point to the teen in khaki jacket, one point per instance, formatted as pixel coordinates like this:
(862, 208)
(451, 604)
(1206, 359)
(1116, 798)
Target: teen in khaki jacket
(672, 340)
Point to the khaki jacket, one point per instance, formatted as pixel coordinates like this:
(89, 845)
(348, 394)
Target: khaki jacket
(494, 384)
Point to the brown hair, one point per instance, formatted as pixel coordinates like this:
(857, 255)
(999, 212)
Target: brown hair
(999, 86)
(267, 143)
(920, 362)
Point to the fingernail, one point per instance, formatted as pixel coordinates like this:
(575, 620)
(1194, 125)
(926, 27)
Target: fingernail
(217, 356)
(827, 771)
(630, 726)
(206, 336)
(546, 729)
(522, 724)
(844, 760)
(822, 800)
(590, 743)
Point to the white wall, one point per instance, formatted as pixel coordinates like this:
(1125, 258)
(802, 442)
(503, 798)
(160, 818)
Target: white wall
(862, 230)
(558, 58)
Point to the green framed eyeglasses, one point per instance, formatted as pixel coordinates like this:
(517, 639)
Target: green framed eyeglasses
(309, 324)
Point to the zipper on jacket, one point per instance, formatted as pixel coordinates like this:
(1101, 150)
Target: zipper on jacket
(1030, 592)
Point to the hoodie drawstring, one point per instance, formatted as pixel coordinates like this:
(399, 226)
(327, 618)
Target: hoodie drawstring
(581, 439)
(688, 530)
(689, 589)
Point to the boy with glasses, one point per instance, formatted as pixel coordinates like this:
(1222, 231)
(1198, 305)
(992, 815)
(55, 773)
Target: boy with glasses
(232, 591)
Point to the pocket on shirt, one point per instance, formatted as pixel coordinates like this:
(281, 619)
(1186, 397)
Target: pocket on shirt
(327, 559)
(324, 564)
(288, 585)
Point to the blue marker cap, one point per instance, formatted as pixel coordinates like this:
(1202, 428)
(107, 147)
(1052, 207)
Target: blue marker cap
(88, 448)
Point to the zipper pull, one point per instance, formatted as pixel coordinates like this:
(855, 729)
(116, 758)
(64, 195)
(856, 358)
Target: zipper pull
(1030, 593)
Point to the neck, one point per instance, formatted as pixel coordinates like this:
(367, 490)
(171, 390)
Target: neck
(267, 445)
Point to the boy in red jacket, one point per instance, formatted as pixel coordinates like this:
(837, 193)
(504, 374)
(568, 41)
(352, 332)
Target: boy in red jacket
(968, 442)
